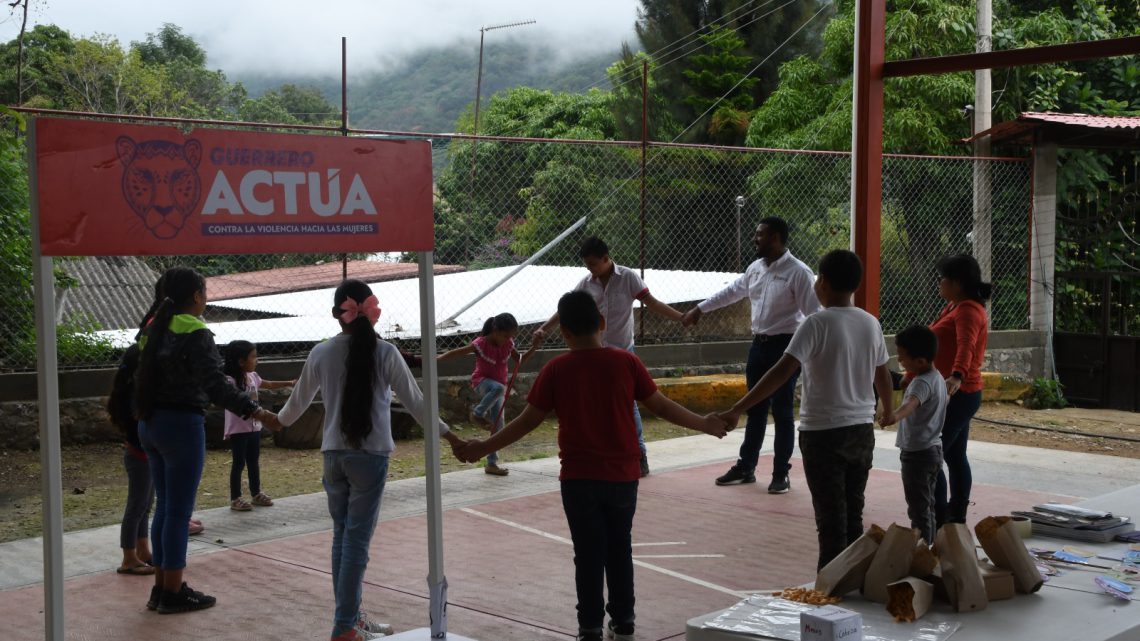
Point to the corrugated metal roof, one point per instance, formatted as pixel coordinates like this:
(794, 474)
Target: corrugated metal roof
(292, 279)
(531, 296)
(113, 291)
(1083, 120)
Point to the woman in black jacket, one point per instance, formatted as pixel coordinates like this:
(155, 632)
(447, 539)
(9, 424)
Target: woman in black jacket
(179, 375)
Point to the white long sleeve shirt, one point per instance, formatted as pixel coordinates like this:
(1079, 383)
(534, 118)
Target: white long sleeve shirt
(324, 372)
(782, 295)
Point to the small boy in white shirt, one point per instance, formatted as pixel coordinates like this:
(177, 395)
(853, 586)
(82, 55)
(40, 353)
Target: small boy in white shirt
(920, 431)
(841, 351)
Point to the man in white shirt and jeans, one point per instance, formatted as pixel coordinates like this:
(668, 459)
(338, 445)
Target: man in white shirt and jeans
(780, 288)
(615, 289)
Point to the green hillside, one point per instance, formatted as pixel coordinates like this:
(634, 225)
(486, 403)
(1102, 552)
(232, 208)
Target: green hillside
(429, 89)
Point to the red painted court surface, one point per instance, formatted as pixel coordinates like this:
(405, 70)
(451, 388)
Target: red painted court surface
(509, 564)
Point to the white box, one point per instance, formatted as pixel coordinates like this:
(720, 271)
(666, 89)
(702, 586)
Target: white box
(831, 623)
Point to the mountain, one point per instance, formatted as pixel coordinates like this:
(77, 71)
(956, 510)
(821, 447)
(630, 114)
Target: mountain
(428, 90)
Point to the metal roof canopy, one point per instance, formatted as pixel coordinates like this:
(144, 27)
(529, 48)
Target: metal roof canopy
(870, 69)
(1077, 131)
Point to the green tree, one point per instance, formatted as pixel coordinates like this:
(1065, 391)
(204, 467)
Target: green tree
(720, 84)
(40, 89)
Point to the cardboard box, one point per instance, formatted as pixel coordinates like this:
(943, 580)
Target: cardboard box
(831, 623)
(999, 583)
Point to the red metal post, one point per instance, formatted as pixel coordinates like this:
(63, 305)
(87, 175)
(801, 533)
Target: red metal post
(867, 147)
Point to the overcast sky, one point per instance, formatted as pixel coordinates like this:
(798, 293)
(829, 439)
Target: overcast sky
(304, 37)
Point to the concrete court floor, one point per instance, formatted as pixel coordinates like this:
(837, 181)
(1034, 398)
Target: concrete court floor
(698, 548)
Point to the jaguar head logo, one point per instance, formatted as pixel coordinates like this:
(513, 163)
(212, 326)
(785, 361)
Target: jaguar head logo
(160, 182)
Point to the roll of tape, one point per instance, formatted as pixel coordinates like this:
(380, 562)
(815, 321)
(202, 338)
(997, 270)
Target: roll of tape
(1023, 526)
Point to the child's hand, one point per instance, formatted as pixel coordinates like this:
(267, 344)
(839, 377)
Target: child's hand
(731, 418)
(714, 425)
(269, 419)
(887, 419)
(536, 339)
(475, 450)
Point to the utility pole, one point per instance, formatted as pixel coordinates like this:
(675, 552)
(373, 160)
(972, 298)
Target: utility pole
(983, 120)
(479, 82)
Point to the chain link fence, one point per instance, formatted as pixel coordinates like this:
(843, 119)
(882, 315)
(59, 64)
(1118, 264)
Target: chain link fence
(499, 201)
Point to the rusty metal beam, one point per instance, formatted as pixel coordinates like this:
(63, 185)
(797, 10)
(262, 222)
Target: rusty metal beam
(867, 147)
(1014, 57)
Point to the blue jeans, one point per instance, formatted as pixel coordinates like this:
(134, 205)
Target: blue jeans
(955, 435)
(600, 515)
(175, 446)
(492, 396)
(762, 356)
(354, 482)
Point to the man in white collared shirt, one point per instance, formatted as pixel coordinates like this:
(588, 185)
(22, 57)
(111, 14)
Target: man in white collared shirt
(615, 289)
(780, 287)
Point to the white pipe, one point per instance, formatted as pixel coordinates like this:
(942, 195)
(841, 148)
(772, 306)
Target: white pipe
(450, 320)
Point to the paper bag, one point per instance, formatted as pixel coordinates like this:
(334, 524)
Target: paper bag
(958, 561)
(891, 562)
(924, 561)
(909, 599)
(845, 572)
(1002, 542)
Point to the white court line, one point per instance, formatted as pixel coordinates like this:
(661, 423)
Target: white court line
(636, 545)
(678, 556)
(648, 566)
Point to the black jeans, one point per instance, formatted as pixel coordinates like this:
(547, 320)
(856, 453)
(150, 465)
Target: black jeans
(600, 515)
(955, 435)
(246, 448)
(919, 473)
(836, 463)
(762, 356)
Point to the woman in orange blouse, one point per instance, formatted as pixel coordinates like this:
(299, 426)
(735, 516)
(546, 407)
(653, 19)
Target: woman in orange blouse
(962, 329)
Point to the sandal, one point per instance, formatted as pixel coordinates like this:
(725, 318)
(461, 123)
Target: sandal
(262, 499)
(240, 505)
(142, 569)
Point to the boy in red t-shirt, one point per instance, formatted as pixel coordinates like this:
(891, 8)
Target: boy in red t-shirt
(592, 389)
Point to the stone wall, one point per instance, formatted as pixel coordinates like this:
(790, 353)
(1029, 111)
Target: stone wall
(82, 419)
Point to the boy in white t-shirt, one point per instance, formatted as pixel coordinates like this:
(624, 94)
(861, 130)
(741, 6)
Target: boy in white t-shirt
(842, 352)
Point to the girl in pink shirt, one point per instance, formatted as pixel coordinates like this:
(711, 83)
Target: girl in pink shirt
(244, 435)
(493, 350)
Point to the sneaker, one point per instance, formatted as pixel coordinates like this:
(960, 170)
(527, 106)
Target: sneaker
(779, 485)
(262, 499)
(619, 632)
(736, 474)
(184, 600)
(495, 470)
(644, 466)
(365, 623)
(240, 505)
(155, 595)
(589, 635)
(354, 634)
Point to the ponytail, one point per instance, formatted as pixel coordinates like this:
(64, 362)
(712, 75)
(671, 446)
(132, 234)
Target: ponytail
(234, 354)
(964, 269)
(179, 284)
(983, 292)
(360, 366)
(504, 322)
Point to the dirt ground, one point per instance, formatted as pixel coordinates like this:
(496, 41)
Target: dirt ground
(94, 483)
(95, 489)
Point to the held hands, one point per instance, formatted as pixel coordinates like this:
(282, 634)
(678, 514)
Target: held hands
(714, 425)
(537, 339)
(886, 419)
(730, 417)
(691, 317)
(471, 451)
(268, 419)
(457, 444)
